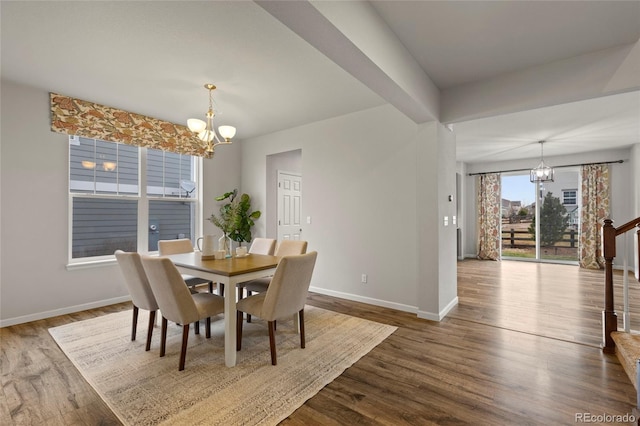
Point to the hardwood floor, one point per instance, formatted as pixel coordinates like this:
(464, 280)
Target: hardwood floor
(520, 348)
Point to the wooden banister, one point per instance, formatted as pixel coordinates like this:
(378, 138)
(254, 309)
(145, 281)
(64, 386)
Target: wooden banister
(609, 317)
(628, 226)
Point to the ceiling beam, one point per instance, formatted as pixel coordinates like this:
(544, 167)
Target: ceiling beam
(593, 75)
(354, 36)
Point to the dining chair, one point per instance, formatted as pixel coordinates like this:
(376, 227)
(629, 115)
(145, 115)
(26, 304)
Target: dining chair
(286, 296)
(263, 246)
(184, 245)
(285, 248)
(177, 304)
(139, 289)
(258, 246)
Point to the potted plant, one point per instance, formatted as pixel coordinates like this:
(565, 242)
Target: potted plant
(235, 219)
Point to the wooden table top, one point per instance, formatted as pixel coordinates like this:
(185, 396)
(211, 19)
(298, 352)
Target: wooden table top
(226, 267)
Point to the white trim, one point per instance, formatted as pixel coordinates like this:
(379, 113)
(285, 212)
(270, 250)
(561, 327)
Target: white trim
(439, 316)
(363, 299)
(62, 311)
(96, 263)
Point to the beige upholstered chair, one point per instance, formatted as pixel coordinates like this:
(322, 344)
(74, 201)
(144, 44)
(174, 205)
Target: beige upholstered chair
(286, 295)
(184, 245)
(139, 289)
(176, 303)
(263, 246)
(258, 246)
(285, 248)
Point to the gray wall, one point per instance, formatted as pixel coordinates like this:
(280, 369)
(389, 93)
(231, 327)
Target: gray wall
(369, 214)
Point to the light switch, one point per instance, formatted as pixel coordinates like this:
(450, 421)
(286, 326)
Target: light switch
(308, 219)
(446, 221)
(453, 219)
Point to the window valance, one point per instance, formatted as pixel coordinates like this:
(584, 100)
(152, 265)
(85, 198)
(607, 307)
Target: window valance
(77, 117)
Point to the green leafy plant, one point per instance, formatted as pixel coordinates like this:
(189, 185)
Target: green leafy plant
(235, 218)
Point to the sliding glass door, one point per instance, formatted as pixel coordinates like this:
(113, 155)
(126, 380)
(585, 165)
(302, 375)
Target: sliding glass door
(540, 221)
(518, 213)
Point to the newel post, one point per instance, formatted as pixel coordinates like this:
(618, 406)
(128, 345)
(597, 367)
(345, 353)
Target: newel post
(609, 317)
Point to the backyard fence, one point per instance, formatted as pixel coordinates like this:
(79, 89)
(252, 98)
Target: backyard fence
(514, 238)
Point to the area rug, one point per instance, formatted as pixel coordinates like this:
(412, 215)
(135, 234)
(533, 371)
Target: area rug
(143, 389)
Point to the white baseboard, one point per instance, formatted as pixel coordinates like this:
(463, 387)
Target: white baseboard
(439, 316)
(62, 311)
(363, 299)
(386, 304)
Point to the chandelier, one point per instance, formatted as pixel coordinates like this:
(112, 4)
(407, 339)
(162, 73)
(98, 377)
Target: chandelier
(542, 173)
(204, 130)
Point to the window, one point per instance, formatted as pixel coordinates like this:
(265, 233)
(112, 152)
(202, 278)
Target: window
(108, 209)
(569, 197)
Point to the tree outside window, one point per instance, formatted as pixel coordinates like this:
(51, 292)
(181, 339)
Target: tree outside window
(553, 221)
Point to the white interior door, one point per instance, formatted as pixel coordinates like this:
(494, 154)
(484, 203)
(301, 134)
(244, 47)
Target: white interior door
(289, 206)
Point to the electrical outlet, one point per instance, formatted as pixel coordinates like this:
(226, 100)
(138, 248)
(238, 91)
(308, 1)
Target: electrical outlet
(364, 278)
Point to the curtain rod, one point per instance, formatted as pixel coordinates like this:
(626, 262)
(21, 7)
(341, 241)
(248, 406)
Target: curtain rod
(555, 167)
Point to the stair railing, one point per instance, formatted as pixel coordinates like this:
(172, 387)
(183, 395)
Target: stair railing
(609, 316)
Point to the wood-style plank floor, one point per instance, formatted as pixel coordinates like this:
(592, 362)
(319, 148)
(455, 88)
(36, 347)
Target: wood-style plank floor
(520, 348)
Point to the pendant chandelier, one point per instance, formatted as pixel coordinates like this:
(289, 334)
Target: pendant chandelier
(542, 173)
(205, 131)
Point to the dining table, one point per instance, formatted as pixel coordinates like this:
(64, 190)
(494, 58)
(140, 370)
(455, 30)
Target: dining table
(229, 271)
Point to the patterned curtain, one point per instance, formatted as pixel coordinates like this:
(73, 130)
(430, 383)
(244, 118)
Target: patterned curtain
(595, 208)
(94, 121)
(489, 216)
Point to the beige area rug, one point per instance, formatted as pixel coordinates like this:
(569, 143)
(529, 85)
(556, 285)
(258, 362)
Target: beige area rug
(143, 389)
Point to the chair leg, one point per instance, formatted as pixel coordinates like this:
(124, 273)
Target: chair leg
(163, 338)
(238, 330)
(272, 342)
(301, 316)
(249, 293)
(197, 327)
(183, 352)
(221, 287)
(208, 331)
(152, 321)
(134, 323)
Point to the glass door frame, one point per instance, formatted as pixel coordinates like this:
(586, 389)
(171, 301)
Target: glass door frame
(539, 200)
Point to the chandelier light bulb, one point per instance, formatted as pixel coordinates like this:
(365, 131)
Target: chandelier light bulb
(196, 125)
(109, 166)
(227, 132)
(88, 164)
(206, 135)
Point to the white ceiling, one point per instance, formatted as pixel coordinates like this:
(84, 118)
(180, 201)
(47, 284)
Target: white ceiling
(458, 42)
(609, 122)
(154, 57)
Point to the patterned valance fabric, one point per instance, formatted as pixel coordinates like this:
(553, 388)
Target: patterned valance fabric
(77, 117)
